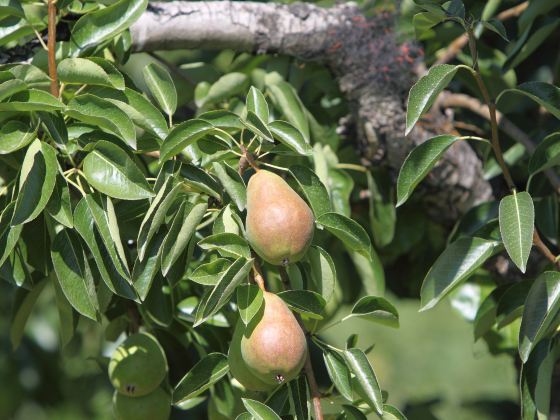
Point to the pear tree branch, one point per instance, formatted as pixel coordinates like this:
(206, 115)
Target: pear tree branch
(51, 46)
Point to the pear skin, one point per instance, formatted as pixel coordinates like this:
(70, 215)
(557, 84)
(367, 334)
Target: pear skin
(274, 346)
(239, 368)
(279, 222)
(153, 406)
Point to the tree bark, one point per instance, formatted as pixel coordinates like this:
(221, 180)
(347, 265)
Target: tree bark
(373, 70)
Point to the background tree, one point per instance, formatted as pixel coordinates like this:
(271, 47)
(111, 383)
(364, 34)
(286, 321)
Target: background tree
(124, 195)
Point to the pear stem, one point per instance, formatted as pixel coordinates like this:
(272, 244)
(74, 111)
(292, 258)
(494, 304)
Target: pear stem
(308, 367)
(257, 273)
(247, 158)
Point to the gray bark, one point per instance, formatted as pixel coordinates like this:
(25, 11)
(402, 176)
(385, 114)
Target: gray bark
(374, 71)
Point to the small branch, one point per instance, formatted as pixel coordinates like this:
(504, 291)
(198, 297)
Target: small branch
(541, 246)
(247, 158)
(135, 320)
(449, 100)
(51, 45)
(459, 43)
(308, 367)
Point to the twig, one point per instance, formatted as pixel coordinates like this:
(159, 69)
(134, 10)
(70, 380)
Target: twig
(492, 110)
(51, 45)
(308, 367)
(134, 318)
(449, 100)
(541, 246)
(248, 158)
(459, 43)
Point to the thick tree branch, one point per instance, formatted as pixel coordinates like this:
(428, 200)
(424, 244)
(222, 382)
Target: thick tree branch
(373, 69)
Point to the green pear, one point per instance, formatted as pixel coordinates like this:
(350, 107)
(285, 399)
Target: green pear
(153, 406)
(138, 365)
(239, 368)
(279, 222)
(274, 347)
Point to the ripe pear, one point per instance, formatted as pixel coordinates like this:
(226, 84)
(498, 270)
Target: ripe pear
(239, 368)
(153, 406)
(273, 346)
(138, 365)
(279, 222)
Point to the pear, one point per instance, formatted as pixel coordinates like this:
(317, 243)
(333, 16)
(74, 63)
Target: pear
(138, 365)
(273, 346)
(153, 406)
(279, 222)
(239, 368)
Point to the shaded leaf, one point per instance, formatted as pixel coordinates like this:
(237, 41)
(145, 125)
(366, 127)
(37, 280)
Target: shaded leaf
(249, 301)
(305, 302)
(419, 162)
(259, 411)
(348, 231)
(202, 376)
(232, 183)
(376, 309)
(313, 189)
(161, 86)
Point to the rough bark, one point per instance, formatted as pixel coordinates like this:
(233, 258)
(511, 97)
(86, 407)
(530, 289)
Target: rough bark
(374, 71)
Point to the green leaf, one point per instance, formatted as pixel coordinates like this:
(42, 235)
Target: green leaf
(290, 136)
(259, 411)
(200, 181)
(183, 135)
(109, 169)
(84, 71)
(103, 213)
(15, 135)
(339, 373)
(225, 87)
(546, 155)
(232, 183)
(161, 87)
(545, 94)
(392, 413)
(424, 92)
(313, 189)
(227, 244)
(228, 221)
(220, 118)
(256, 103)
(352, 234)
(11, 87)
(59, 205)
(536, 381)
(202, 376)
(158, 305)
(359, 365)
(9, 235)
(213, 301)
(299, 396)
(156, 214)
(68, 317)
(457, 262)
(255, 125)
(382, 213)
(496, 26)
(322, 270)
(305, 302)
(73, 273)
(103, 114)
(182, 229)
(139, 109)
(11, 8)
(541, 308)
(527, 45)
(352, 413)
(249, 301)
(287, 101)
(103, 24)
(55, 126)
(209, 274)
(107, 262)
(21, 309)
(517, 223)
(376, 309)
(144, 271)
(32, 100)
(419, 162)
(36, 182)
